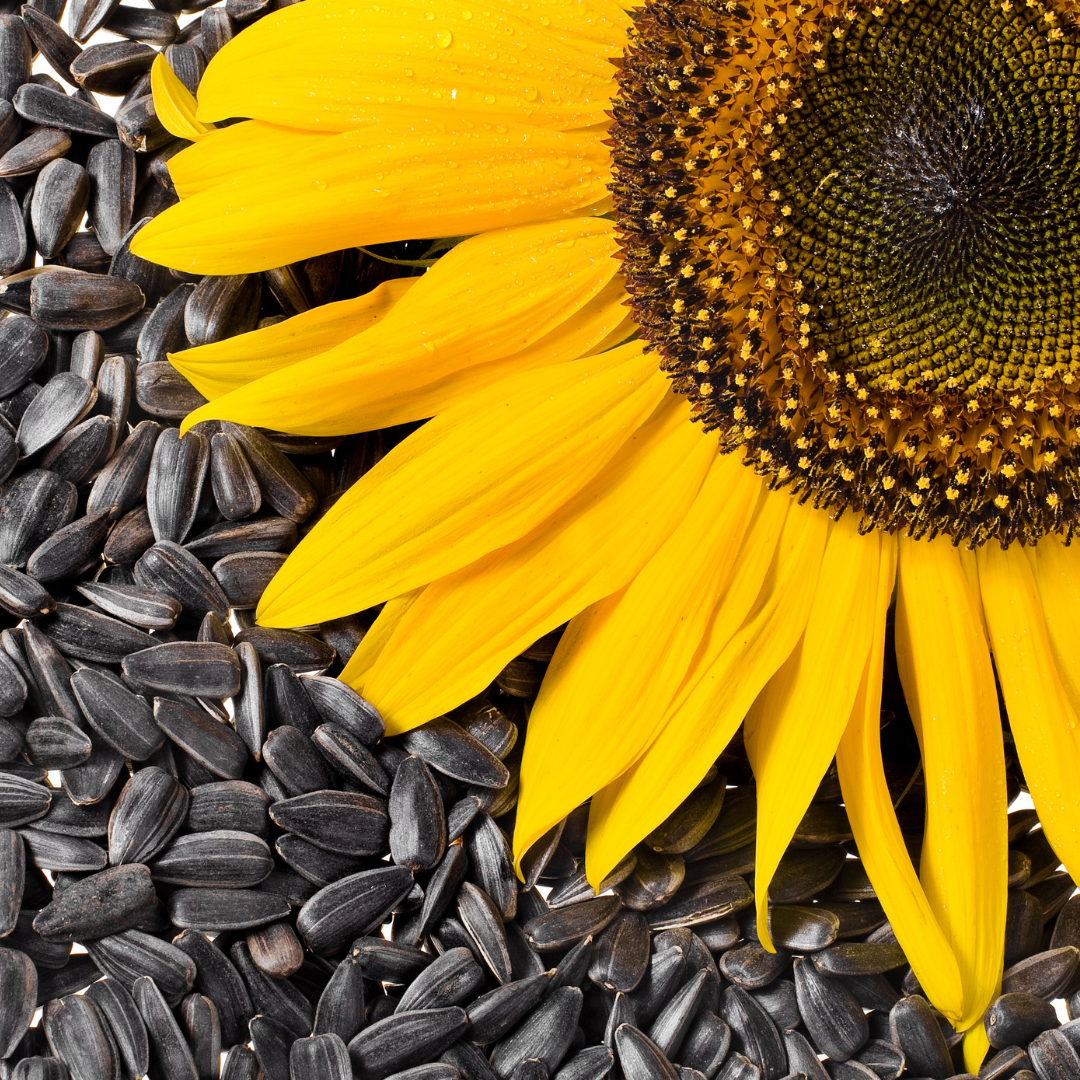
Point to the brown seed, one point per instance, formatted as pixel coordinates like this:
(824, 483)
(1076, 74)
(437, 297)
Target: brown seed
(276, 949)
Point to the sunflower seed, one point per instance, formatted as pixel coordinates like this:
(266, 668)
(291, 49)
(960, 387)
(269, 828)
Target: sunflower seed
(150, 809)
(705, 1045)
(340, 821)
(61, 195)
(112, 67)
(236, 491)
(244, 575)
(132, 954)
(322, 1057)
(276, 998)
(64, 401)
(417, 817)
(162, 391)
(753, 1033)
(122, 482)
(665, 971)
(22, 595)
(134, 604)
(1045, 974)
(168, 568)
(54, 742)
(340, 1010)
(65, 299)
(220, 307)
(389, 961)
(185, 667)
(276, 949)
(300, 651)
(111, 166)
(640, 1058)
(12, 879)
(259, 534)
(831, 1013)
(592, 1063)
(352, 758)
(169, 1052)
(447, 747)
(70, 550)
(200, 1019)
(859, 958)
(144, 24)
(21, 800)
(453, 978)
(320, 867)
(405, 1039)
(105, 903)
(18, 996)
(55, 852)
(655, 879)
(493, 869)
(123, 719)
(337, 703)
(706, 902)
(915, 1030)
(79, 451)
(218, 979)
(780, 1001)
(688, 825)
(54, 43)
(23, 345)
(234, 804)
(1015, 1019)
(496, 1013)
(80, 1038)
(177, 472)
(213, 909)
(15, 55)
(240, 1063)
(122, 1017)
(281, 483)
(353, 906)
(33, 506)
(163, 332)
(90, 635)
(467, 1061)
(620, 956)
(220, 859)
(293, 759)
(484, 924)
(751, 966)
(1053, 1057)
(28, 156)
(210, 742)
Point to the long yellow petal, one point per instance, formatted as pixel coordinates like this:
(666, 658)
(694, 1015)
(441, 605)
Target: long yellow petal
(467, 626)
(877, 832)
(402, 177)
(225, 365)
(174, 103)
(475, 478)
(1043, 721)
(322, 66)
(374, 641)
(753, 631)
(1057, 575)
(792, 731)
(495, 297)
(948, 683)
(621, 661)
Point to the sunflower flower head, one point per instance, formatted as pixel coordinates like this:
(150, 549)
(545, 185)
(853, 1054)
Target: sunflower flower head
(845, 236)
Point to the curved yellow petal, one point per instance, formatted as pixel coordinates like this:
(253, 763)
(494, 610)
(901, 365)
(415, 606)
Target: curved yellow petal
(948, 683)
(379, 633)
(404, 176)
(976, 1044)
(621, 661)
(877, 832)
(493, 296)
(754, 629)
(174, 103)
(1043, 721)
(792, 731)
(226, 365)
(467, 626)
(1057, 576)
(475, 478)
(320, 66)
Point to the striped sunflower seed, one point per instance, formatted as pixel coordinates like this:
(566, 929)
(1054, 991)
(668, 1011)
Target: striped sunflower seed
(665, 972)
(203, 1031)
(163, 331)
(405, 1039)
(482, 920)
(340, 1010)
(706, 1044)
(688, 825)
(592, 1063)
(656, 877)
(12, 879)
(340, 821)
(80, 1038)
(496, 1013)
(252, 534)
(780, 1001)
(352, 758)
(87, 634)
(620, 956)
(417, 816)
(235, 804)
(212, 743)
(914, 1029)
(669, 1029)
(389, 961)
(133, 954)
(171, 569)
(882, 1058)
(337, 703)
(205, 669)
(170, 1055)
(111, 166)
(122, 482)
(454, 977)
(122, 1017)
(492, 866)
(322, 1057)
(111, 67)
(244, 575)
(224, 909)
(751, 967)
(21, 800)
(54, 742)
(832, 1014)
(859, 958)
(63, 402)
(53, 851)
(313, 863)
(160, 389)
(23, 347)
(33, 506)
(283, 486)
(296, 762)
(1053, 1057)
(236, 491)
(139, 606)
(150, 810)
(220, 859)
(174, 485)
(545, 1034)
(351, 907)
(753, 1033)
(18, 997)
(63, 299)
(640, 1058)
(302, 652)
(240, 1064)
(703, 903)
(451, 750)
(218, 979)
(1045, 974)
(278, 999)
(61, 195)
(70, 550)
(81, 449)
(123, 719)
(148, 25)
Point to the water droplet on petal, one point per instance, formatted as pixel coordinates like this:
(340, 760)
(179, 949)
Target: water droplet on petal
(444, 39)
(531, 93)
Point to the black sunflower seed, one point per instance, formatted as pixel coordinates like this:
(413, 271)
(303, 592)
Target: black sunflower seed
(64, 401)
(495, 1014)
(110, 68)
(143, 24)
(1053, 1057)
(12, 879)
(236, 491)
(665, 971)
(122, 482)
(171, 569)
(52, 851)
(859, 958)
(255, 534)
(454, 977)
(23, 347)
(123, 719)
(751, 967)
(28, 156)
(470, 1064)
(882, 1058)
(170, 1055)
(545, 1034)
(340, 1010)
(351, 907)
(210, 742)
(163, 331)
(244, 575)
(1045, 974)
(322, 1057)
(620, 956)
(81, 449)
(705, 1045)
(405, 1039)
(61, 195)
(12, 223)
(21, 800)
(175, 482)
(315, 864)
(13, 692)
(301, 652)
(753, 1032)
(669, 1029)
(295, 761)
(340, 821)
(417, 816)
(240, 1063)
(832, 1014)
(222, 859)
(352, 758)
(337, 703)
(654, 879)
(150, 810)
(229, 804)
(389, 961)
(80, 1038)
(482, 920)
(706, 902)
(220, 306)
(54, 742)
(780, 1001)
(70, 550)
(276, 998)
(218, 979)
(281, 483)
(104, 903)
(18, 997)
(32, 507)
(74, 300)
(451, 750)
(111, 166)
(122, 1016)
(492, 866)
(224, 909)
(200, 1020)
(22, 595)
(640, 1058)
(139, 606)
(915, 1030)
(592, 1063)
(133, 954)
(90, 635)
(205, 669)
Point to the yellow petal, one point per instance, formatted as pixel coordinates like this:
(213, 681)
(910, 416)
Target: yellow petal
(495, 297)
(174, 103)
(877, 832)
(225, 365)
(621, 661)
(405, 176)
(948, 684)
(753, 631)
(795, 725)
(475, 478)
(976, 1044)
(321, 66)
(1043, 721)
(467, 626)
(374, 641)
(1057, 575)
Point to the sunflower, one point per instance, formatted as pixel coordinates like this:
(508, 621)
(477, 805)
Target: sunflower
(756, 321)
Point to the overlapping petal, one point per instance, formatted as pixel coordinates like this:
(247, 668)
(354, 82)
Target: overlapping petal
(174, 103)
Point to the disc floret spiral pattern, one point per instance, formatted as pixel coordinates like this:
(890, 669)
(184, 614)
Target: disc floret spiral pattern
(851, 234)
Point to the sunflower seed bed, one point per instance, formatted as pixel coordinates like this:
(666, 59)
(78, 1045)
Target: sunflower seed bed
(273, 879)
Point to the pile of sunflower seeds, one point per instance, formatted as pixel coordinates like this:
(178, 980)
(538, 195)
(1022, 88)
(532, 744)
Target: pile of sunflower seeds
(211, 861)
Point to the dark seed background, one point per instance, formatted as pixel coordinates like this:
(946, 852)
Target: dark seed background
(211, 861)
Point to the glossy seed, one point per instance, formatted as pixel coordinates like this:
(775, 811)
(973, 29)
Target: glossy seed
(220, 858)
(451, 750)
(139, 606)
(352, 758)
(340, 821)
(653, 880)
(753, 1033)
(1053, 1057)
(111, 167)
(133, 954)
(54, 742)
(170, 1054)
(1045, 974)
(74, 300)
(42, 105)
(492, 866)
(417, 817)
(915, 1030)
(163, 392)
(123, 719)
(235, 804)
(711, 900)
(216, 910)
(705, 1045)
(1015, 1019)
(33, 507)
(175, 482)
(483, 921)
(23, 347)
(244, 575)
(322, 1057)
(18, 997)
(295, 761)
(122, 482)
(281, 483)
(405, 1039)
(592, 1063)
(205, 669)
(337, 703)
(640, 1058)
(150, 810)
(61, 195)
(351, 907)
(620, 956)
(70, 550)
(122, 1017)
(210, 742)
(21, 800)
(218, 979)
(81, 449)
(255, 534)
(302, 652)
(832, 1014)
(64, 401)
(87, 634)
(688, 825)
(859, 958)
(80, 1038)
(496, 1013)
(171, 569)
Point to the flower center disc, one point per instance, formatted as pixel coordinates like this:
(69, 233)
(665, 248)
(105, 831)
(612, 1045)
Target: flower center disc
(852, 235)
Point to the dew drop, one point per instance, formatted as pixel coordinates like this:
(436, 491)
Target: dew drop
(544, 20)
(531, 93)
(466, 14)
(444, 39)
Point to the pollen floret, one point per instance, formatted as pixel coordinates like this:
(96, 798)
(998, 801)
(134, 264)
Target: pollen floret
(849, 232)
